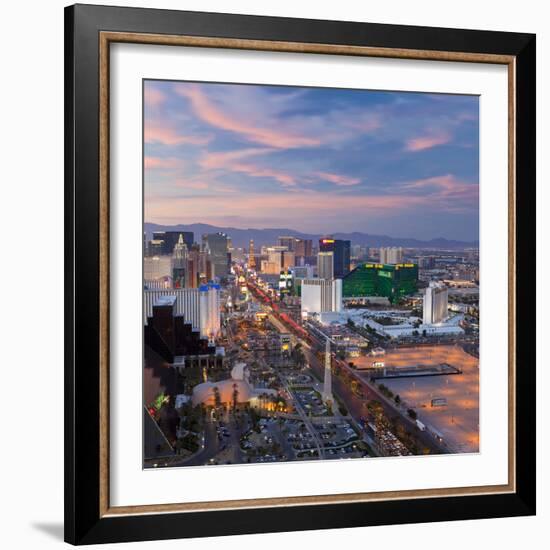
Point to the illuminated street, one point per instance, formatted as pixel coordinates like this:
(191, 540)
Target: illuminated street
(302, 303)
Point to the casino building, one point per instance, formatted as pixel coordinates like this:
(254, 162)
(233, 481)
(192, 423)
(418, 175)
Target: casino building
(341, 255)
(392, 281)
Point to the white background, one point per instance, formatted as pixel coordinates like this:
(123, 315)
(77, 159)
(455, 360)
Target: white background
(32, 231)
(130, 484)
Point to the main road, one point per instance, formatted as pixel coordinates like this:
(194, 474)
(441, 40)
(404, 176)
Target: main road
(355, 404)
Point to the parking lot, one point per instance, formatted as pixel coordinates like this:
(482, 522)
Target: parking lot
(311, 402)
(457, 422)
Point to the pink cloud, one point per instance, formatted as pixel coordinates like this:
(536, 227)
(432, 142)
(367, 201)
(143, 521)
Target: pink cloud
(151, 163)
(233, 162)
(448, 191)
(207, 111)
(156, 132)
(445, 192)
(200, 185)
(153, 97)
(446, 183)
(303, 204)
(338, 179)
(224, 158)
(367, 123)
(427, 142)
(261, 172)
(203, 183)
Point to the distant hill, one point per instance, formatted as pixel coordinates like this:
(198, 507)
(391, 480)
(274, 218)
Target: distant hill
(241, 237)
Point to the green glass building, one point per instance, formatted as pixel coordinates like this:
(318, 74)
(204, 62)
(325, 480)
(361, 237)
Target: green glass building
(392, 281)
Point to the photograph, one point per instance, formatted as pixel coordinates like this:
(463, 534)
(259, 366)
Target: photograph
(310, 274)
(281, 231)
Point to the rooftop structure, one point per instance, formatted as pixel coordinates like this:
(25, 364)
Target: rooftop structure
(169, 239)
(236, 388)
(167, 300)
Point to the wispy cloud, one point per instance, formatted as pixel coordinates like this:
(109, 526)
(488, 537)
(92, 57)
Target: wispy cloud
(207, 111)
(222, 159)
(257, 171)
(194, 184)
(164, 134)
(421, 143)
(338, 179)
(153, 97)
(366, 123)
(446, 193)
(234, 161)
(152, 163)
(317, 157)
(306, 210)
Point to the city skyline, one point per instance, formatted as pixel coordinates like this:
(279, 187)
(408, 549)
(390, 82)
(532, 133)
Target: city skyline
(310, 274)
(316, 160)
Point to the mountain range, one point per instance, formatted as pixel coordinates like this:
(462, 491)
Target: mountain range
(268, 236)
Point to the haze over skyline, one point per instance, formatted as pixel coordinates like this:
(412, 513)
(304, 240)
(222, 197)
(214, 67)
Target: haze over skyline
(317, 160)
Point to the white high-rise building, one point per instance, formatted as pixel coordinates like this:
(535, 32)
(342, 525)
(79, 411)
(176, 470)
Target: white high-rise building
(391, 255)
(209, 310)
(435, 303)
(325, 265)
(187, 303)
(321, 295)
(199, 306)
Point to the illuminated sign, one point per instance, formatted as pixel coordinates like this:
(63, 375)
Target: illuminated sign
(285, 282)
(385, 274)
(328, 241)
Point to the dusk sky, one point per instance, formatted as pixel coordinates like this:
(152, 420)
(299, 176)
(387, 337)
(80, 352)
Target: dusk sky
(316, 160)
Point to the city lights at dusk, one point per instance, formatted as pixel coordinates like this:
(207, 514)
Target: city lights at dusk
(311, 274)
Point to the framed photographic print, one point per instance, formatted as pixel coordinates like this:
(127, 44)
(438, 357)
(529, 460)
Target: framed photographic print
(299, 274)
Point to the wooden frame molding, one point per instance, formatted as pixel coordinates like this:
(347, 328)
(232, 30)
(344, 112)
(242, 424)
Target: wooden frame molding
(89, 33)
(106, 38)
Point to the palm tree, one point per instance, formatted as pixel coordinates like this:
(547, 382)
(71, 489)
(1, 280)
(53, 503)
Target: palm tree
(217, 397)
(280, 422)
(235, 396)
